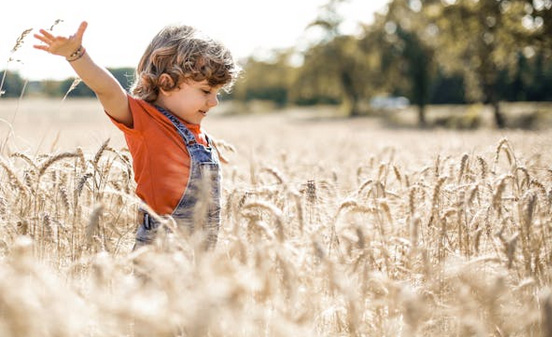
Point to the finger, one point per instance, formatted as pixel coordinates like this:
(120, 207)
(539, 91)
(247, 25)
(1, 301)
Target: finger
(41, 47)
(42, 38)
(46, 34)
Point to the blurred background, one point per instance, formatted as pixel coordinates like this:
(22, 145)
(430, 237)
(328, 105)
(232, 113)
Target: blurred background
(451, 63)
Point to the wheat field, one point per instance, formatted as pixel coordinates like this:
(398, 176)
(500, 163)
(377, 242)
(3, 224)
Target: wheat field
(331, 227)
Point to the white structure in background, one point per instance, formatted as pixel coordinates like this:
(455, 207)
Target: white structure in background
(389, 103)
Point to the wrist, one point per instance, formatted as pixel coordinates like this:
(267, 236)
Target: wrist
(77, 54)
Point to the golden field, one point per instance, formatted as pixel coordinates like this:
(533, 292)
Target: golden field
(331, 227)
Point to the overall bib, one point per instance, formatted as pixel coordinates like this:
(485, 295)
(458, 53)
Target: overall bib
(200, 205)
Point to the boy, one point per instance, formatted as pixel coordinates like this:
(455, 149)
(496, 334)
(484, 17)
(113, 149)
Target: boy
(176, 165)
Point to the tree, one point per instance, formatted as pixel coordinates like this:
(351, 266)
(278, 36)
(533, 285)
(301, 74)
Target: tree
(480, 39)
(539, 17)
(338, 66)
(125, 76)
(407, 54)
(268, 79)
(12, 84)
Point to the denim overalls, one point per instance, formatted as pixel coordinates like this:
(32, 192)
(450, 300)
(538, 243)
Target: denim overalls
(199, 206)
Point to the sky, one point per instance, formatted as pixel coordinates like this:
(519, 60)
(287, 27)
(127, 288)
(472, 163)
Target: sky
(119, 30)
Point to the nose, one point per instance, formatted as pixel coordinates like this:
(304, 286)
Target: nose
(213, 100)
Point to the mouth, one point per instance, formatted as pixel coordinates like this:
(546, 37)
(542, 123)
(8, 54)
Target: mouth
(204, 113)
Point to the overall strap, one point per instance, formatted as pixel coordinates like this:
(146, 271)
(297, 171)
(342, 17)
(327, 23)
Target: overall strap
(186, 134)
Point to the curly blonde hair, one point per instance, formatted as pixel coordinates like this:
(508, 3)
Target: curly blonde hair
(183, 53)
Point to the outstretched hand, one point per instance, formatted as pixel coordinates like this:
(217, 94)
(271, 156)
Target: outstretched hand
(61, 45)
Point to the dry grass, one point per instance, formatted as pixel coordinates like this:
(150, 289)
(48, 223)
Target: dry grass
(331, 227)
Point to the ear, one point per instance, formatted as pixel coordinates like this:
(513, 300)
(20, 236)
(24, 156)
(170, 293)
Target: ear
(165, 82)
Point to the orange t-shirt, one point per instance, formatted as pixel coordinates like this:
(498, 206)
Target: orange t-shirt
(161, 161)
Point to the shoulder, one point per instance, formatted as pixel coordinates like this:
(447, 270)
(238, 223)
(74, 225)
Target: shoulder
(142, 112)
(138, 104)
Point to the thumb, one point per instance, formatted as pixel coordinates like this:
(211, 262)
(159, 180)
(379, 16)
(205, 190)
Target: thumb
(82, 28)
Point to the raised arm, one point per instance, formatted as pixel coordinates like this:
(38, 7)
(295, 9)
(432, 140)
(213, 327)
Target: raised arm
(108, 90)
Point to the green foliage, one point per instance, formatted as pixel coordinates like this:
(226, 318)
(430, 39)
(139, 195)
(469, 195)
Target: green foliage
(447, 89)
(481, 39)
(340, 69)
(409, 59)
(12, 84)
(125, 76)
(530, 80)
(432, 52)
(264, 80)
(81, 90)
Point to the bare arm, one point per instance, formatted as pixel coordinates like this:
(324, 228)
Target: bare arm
(109, 91)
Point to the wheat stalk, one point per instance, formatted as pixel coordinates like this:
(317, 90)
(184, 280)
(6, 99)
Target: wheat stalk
(50, 161)
(26, 158)
(13, 177)
(72, 87)
(463, 164)
(99, 154)
(275, 173)
(93, 226)
(275, 211)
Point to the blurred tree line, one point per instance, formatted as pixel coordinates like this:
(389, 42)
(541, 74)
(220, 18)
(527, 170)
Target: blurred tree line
(430, 51)
(14, 85)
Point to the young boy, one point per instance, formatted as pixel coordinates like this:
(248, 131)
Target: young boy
(176, 165)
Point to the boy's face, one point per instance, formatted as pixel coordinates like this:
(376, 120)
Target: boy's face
(191, 101)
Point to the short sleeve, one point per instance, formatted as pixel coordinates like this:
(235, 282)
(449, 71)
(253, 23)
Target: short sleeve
(134, 108)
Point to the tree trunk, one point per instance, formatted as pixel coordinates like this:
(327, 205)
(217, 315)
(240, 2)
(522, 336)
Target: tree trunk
(421, 115)
(499, 117)
(351, 97)
(354, 110)
(490, 92)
